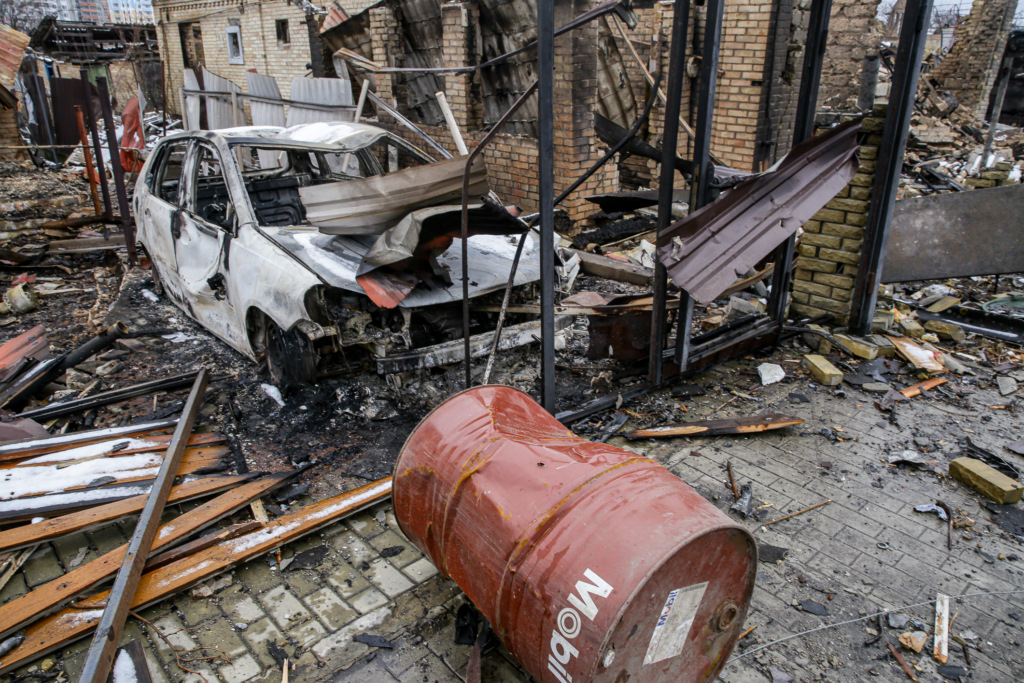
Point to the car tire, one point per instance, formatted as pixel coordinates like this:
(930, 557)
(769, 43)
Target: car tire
(291, 358)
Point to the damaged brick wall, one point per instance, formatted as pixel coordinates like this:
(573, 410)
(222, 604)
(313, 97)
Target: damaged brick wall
(854, 33)
(10, 136)
(829, 251)
(969, 70)
(262, 52)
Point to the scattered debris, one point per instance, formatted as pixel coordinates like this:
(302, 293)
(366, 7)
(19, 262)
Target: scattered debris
(902, 662)
(933, 508)
(986, 480)
(813, 607)
(771, 554)
(813, 507)
(770, 373)
(913, 640)
(740, 425)
(942, 622)
(373, 641)
(744, 505)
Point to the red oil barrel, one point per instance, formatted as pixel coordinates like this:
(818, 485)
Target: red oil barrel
(590, 562)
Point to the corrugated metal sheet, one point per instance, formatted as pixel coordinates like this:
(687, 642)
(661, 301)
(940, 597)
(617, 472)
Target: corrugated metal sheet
(219, 110)
(12, 50)
(335, 92)
(265, 113)
(705, 251)
(192, 103)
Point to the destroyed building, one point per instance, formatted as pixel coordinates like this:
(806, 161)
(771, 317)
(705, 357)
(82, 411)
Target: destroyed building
(757, 423)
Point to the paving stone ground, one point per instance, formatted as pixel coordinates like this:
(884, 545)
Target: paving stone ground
(864, 552)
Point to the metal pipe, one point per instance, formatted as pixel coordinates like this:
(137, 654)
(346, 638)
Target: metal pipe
(127, 227)
(703, 169)
(453, 126)
(90, 170)
(890, 163)
(464, 234)
(108, 633)
(803, 128)
(61, 409)
(997, 108)
(546, 188)
(90, 120)
(669, 144)
(391, 111)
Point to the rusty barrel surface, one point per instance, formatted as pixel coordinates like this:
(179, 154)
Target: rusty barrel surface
(591, 563)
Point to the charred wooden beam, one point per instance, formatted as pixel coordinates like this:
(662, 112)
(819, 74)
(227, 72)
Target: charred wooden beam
(732, 425)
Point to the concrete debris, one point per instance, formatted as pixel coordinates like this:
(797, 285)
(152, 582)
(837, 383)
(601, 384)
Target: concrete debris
(770, 373)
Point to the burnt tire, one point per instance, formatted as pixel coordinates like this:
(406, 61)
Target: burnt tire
(291, 358)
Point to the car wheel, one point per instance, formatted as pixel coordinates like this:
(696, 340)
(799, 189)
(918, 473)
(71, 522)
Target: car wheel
(291, 358)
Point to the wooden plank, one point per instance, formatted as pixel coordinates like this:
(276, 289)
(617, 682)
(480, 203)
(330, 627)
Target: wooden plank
(30, 344)
(52, 595)
(202, 543)
(100, 656)
(10, 563)
(56, 631)
(732, 425)
(19, 483)
(29, 447)
(131, 664)
(86, 244)
(613, 269)
(123, 446)
(927, 385)
(49, 529)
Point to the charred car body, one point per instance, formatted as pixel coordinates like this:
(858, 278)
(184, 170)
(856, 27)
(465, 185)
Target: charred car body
(322, 241)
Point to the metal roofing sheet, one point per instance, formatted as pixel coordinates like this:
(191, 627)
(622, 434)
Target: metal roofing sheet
(12, 50)
(705, 251)
(335, 92)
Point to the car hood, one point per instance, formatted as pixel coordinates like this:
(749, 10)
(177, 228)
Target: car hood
(336, 260)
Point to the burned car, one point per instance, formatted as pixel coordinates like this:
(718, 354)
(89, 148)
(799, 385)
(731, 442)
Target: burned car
(323, 245)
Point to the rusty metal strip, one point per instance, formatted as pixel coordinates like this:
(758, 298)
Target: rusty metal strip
(732, 425)
(50, 596)
(49, 529)
(108, 633)
(705, 251)
(56, 631)
(107, 397)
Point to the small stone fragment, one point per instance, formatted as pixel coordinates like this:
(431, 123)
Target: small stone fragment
(1007, 385)
(913, 640)
(770, 373)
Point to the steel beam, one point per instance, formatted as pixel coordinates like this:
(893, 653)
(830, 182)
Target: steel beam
(890, 162)
(127, 227)
(90, 119)
(108, 633)
(803, 128)
(703, 169)
(666, 182)
(546, 188)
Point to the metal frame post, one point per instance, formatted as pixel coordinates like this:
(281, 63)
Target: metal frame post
(546, 188)
(890, 162)
(803, 128)
(115, 166)
(703, 169)
(90, 120)
(669, 143)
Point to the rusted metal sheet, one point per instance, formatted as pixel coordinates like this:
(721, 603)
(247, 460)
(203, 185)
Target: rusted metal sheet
(12, 51)
(706, 251)
(30, 344)
(591, 563)
(731, 425)
(367, 206)
(957, 234)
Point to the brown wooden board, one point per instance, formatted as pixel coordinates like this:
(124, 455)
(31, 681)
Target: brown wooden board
(202, 543)
(49, 529)
(29, 447)
(732, 425)
(27, 481)
(613, 269)
(50, 596)
(56, 631)
(110, 447)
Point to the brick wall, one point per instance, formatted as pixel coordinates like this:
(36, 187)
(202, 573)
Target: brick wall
(969, 70)
(853, 33)
(9, 135)
(260, 47)
(829, 251)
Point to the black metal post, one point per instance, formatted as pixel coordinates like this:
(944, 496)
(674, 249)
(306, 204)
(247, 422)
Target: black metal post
(890, 162)
(546, 187)
(666, 180)
(90, 119)
(703, 169)
(127, 227)
(36, 83)
(803, 128)
(464, 234)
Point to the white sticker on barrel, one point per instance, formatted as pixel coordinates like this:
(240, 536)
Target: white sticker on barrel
(674, 623)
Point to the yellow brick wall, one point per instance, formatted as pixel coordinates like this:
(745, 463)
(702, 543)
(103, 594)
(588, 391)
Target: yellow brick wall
(259, 43)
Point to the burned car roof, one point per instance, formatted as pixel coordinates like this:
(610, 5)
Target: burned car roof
(334, 136)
